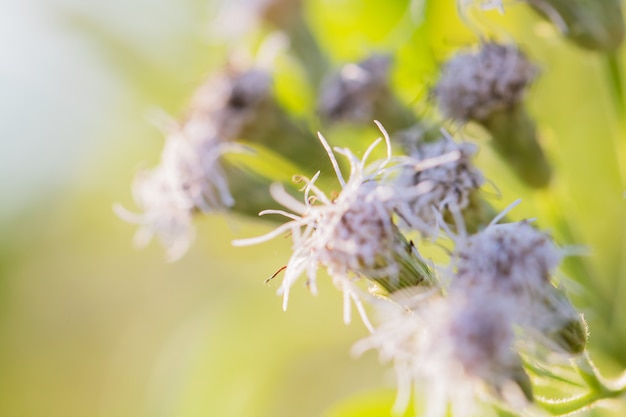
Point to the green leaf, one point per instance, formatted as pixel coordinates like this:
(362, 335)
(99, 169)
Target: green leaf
(263, 162)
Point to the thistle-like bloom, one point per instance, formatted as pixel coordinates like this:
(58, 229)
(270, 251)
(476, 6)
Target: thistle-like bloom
(450, 183)
(475, 85)
(189, 177)
(515, 262)
(487, 87)
(457, 352)
(351, 235)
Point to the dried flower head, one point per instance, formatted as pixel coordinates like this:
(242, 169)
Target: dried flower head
(474, 85)
(450, 183)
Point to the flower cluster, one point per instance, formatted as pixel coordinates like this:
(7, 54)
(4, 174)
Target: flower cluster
(463, 342)
(467, 330)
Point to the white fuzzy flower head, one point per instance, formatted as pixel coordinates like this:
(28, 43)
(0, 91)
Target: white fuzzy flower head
(450, 183)
(511, 258)
(189, 178)
(352, 94)
(453, 352)
(513, 263)
(475, 85)
(350, 235)
(166, 212)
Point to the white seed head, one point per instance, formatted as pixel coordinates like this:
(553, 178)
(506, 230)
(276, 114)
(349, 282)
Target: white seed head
(474, 85)
(449, 183)
(352, 94)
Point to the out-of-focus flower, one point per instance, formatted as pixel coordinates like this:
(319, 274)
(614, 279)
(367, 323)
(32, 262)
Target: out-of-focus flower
(513, 259)
(458, 353)
(352, 93)
(515, 262)
(228, 106)
(487, 87)
(189, 176)
(475, 85)
(361, 92)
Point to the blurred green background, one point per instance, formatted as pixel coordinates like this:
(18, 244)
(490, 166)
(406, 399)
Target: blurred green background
(91, 327)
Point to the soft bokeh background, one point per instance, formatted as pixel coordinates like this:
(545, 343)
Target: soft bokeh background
(91, 327)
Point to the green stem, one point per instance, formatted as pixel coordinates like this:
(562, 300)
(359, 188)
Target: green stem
(599, 389)
(589, 373)
(568, 405)
(514, 138)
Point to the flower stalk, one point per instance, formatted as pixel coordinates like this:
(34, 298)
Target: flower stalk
(514, 138)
